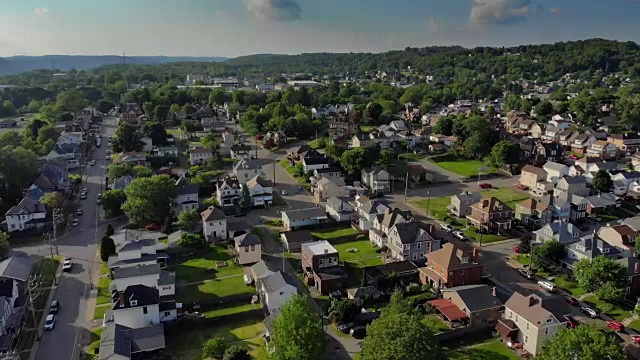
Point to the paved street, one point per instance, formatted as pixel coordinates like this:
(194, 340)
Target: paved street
(80, 243)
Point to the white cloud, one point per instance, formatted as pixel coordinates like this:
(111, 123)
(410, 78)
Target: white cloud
(501, 11)
(274, 10)
(41, 11)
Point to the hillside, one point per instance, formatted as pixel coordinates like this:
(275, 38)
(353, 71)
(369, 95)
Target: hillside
(20, 64)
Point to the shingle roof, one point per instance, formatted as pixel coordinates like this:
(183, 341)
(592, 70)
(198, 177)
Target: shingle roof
(123, 341)
(247, 164)
(26, 206)
(247, 239)
(553, 166)
(260, 270)
(276, 281)
(533, 169)
(450, 257)
(298, 236)
(212, 213)
(257, 180)
(475, 297)
(185, 187)
(537, 310)
(133, 271)
(141, 294)
(300, 214)
(16, 267)
(407, 232)
(391, 217)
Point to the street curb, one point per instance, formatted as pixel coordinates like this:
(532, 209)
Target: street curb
(33, 353)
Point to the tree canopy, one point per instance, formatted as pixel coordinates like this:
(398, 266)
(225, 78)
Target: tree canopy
(149, 199)
(297, 332)
(602, 276)
(585, 343)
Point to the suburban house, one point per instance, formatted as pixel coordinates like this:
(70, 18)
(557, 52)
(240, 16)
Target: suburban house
(632, 265)
(478, 302)
(246, 169)
(603, 149)
(382, 224)
(260, 190)
(566, 136)
(136, 307)
(130, 112)
(260, 270)
(366, 211)
(68, 137)
(622, 237)
(296, 219)
(339, 209)
(530, 176)
(134, 158)
(165, 151)
(546, 151)
(321, 262)
(63, 152)
(214, 224)
(461, 204)
(228, 191)
(561, 231)
(491, 214)
(332, 173)
(314, 163)
(297, 154)
(601, 203)
(199, 156)
(248, 248)
(119, 342)
(53, 177)
(582, 142)
(530, 320)
(360, 294)
(187, 196)
(534, 213)
(14, 275)
(240, 152)
(622, 182)
(451, 266)
(326, 188)
(577, 205)
(555, 171)
(361, 140)
(27, 215)
(410, 241)
(377, 180)
(136, 251)
(550, 133)
(627, 143)
(275, 290)
(122, 182)
(292, 240)
(588, 247)
(572, 185)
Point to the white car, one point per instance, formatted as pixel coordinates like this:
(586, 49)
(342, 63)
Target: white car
(458, 234)
(50, 322)
(108, 151)
(592, 313)
(447, 227)
(547, 285)
(283, 192)
(92, 162)
(75, 222)
(66, 265)
(83, 196)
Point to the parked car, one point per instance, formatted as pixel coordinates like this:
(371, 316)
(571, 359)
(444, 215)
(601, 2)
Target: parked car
(79, 212)
(485, 186)
(335, 295)
(92, 162)
(592, 313)
(55, 307)
(522, 187)
(458, 234)
(83, 196)
(99, 196)
(571, 300)
(66, 265)
(447, 227)
(358, 332)
(75, 222)
(154, 226)
(50, 322)
(635, 339)
(283, 192)
(615, 325)
(526, 273)
(571, 322)
(345, 328)
(516, 250)
(547, 285)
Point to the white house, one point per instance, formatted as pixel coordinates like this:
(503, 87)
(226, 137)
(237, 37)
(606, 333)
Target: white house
(62, 152)
(555, 171)
(187, 196)
(240, 152)
(314, 163)
(366, 211)
(248, 248)
(376, 179)
(246, 169)
(71, 137)
(27, 215)
(214, 224)
(295, 219)
(167, 151)
(378, 234)
(136, 307)
(622, 182)
(261, 191)
(339, 209)
(228, 191)
(276, 289)
(199, 156)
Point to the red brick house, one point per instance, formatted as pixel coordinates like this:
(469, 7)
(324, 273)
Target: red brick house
(491, 214)
(320, 261)
(450, 267)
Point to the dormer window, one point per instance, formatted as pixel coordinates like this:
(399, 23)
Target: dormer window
(464, 260)
(133, 302)
(605, 250)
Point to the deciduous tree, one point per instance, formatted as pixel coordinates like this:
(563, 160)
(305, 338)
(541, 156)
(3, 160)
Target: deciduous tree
(297, 332)
(444, 126)
(188, 220)
(548, 254)
(112, 201)
(602, 181)
(214, 347)
(236, 352)
(5, 247)
(149, 199)
(585, 343)
(504, 153)
(190, 240)
(602, 276)
(127, 138)
(107, 248)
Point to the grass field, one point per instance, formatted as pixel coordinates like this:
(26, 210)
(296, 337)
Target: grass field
(411, 156)
(460, 166)
(568, 285)
(91, 350)
(362, 253)
(231, 310)
(331, 233)
(247, 332)
(635, 325)
(617, 312)
(491, 350)
(203, 266)
(214, 289)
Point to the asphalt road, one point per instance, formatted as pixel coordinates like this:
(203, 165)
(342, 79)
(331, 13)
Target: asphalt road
(64, 342)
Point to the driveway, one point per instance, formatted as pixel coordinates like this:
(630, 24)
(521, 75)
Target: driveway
(80, 244)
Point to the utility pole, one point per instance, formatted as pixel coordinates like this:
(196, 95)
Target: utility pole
(32, 288)
(406, 187)
(274, 173)
(57, 216)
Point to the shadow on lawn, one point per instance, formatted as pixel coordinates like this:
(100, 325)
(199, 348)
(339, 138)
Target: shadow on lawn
(202, 264)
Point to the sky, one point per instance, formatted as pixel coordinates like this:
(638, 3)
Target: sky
(242, 27)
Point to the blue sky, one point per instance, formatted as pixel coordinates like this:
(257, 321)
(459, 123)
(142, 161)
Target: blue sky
(241, 27)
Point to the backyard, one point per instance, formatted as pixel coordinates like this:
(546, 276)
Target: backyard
(491, 350)
(211, 263)
(332, 233)
(214, 290)
(460, 166)
(357, 255)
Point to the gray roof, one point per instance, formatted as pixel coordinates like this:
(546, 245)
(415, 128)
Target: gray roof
(140, 270)
(391, 217)
(475, 297)
(185, 187)
(123, 341)
(300, 214)
(26, 206)
(246, 240)
(257, 180)
(135, 244)
(407, 232)
(553, 166)
(143, 296)
(632, 222)
(115, 261)
(468, 197)
(122, 182)
(335, 201)
(298, 236)
(212, 213)
(16, 267)
(575, 179)
(592, 246)
(563, 230)
(276, 281)
(247, 164)
(601, 200)
(374, 207)
(260, 270)
(167, 278)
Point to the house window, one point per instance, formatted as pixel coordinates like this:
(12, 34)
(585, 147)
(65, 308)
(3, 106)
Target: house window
(133, 302)
(321, 262)
(246, 249)
(144, 310)
(549, 320)
(419, 245)
(546, 331)
(461, 272)
(167, 313)
(253, 247)
(526, 339)
(406, 247)
(527, 326)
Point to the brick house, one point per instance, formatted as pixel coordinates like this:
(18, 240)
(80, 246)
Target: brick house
(491, 214)
(451, 266)
(320, 261)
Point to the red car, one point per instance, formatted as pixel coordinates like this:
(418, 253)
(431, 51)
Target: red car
(573, 157)
(522, 187)
(485, 186)
(571, 322)
(635, 339)
(154, 226)
(615, 325)
(516, 250)
(259, 137)
(571, 300)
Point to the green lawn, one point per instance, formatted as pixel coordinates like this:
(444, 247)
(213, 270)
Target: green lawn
(616, 313)
(99, 311)
(231, 310)
(434, 323)
(523, 259)
(214, 289)
(247, 332)
(460, 166)
(360, 253)
(104, 295)
(568, 285)
(491, 350)
(486, 238)
(328, 234)
(411, 156)
(635, 325)
(47, 267)
(318, 144)
(293, 172)
(95, 342)
(204, 265)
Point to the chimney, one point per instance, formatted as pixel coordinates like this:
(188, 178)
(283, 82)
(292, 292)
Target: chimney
(121, 300)
(532, 300)
(431, 229)
(493, 291)
(326, 251)
(636, 268)
(474, 254)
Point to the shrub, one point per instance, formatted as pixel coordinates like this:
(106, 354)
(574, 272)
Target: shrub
(414, 288)
(214, 348)
(420, 299)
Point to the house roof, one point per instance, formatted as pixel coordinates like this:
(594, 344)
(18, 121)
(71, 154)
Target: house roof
(115, 261)
(448, 309)
(467, 197)
(533, 169)
(134, 271)
(535, 204)
(16, 267)
(118, 341)
(336, 201)
(601, 200)
(247, 239)
(141, 294)
(373, 207)
(26, 206)
(319, 247)
(362, 292)
(134, 244)
(592, 246)
(408, 231)
(298, 236)
(122, 182)
(553, 166)
(247, 164)
(491, 205)
(257, 180)
(185, 187)
(537, 310)
(632, 222)
(212, 213)
(391, 217)
(475, 297)
(563, 230)
(451, 257)
(315, 160)
(201, 150)
(277, 281)
(309, 213)
(624, 230)
(260, 270)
